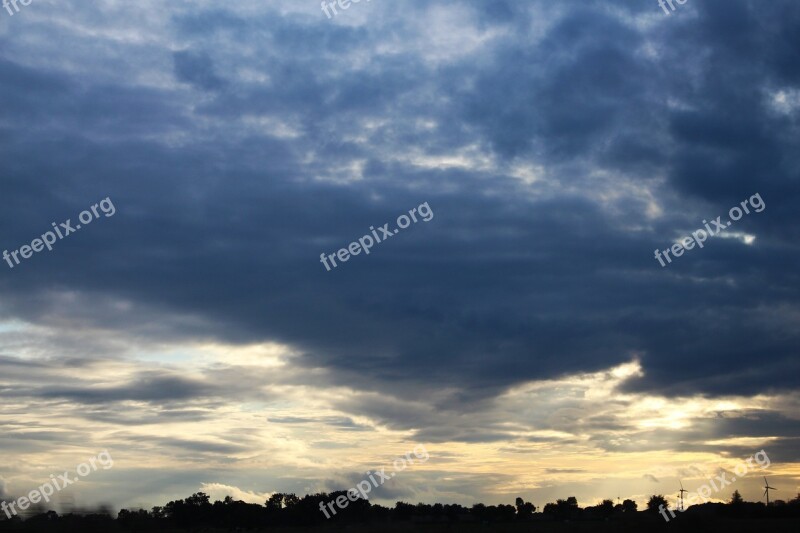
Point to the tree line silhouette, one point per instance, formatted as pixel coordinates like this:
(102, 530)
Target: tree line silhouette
(288, 510)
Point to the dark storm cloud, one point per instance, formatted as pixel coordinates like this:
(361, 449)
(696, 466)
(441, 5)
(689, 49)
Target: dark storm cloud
(778, 432)
(171, 396)
(221, 216)
(163, 415)
(337, 422)
(147, 389)
(189, 446)
(196, 68)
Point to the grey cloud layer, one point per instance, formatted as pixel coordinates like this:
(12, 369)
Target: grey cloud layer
(231, 144)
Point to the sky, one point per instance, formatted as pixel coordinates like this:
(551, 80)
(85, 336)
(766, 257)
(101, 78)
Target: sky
(525, 334)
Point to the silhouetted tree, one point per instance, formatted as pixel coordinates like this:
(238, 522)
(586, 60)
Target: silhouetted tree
(563, 509)
(736, 498)
(403, 511)
(274, 502)
(193, 511)
(291, 513)
(290, 500)
(656, 501)
(525, 509)
(478, 511)
(629, 506)
(606, 508)
(504, 513)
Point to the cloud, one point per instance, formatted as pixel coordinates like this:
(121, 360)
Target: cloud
(196, 68)
(199, 257)
(218, 491)
(339, 422)
(557, 144)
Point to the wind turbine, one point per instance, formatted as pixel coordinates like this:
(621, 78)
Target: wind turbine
(767, 488)
(681, 495)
